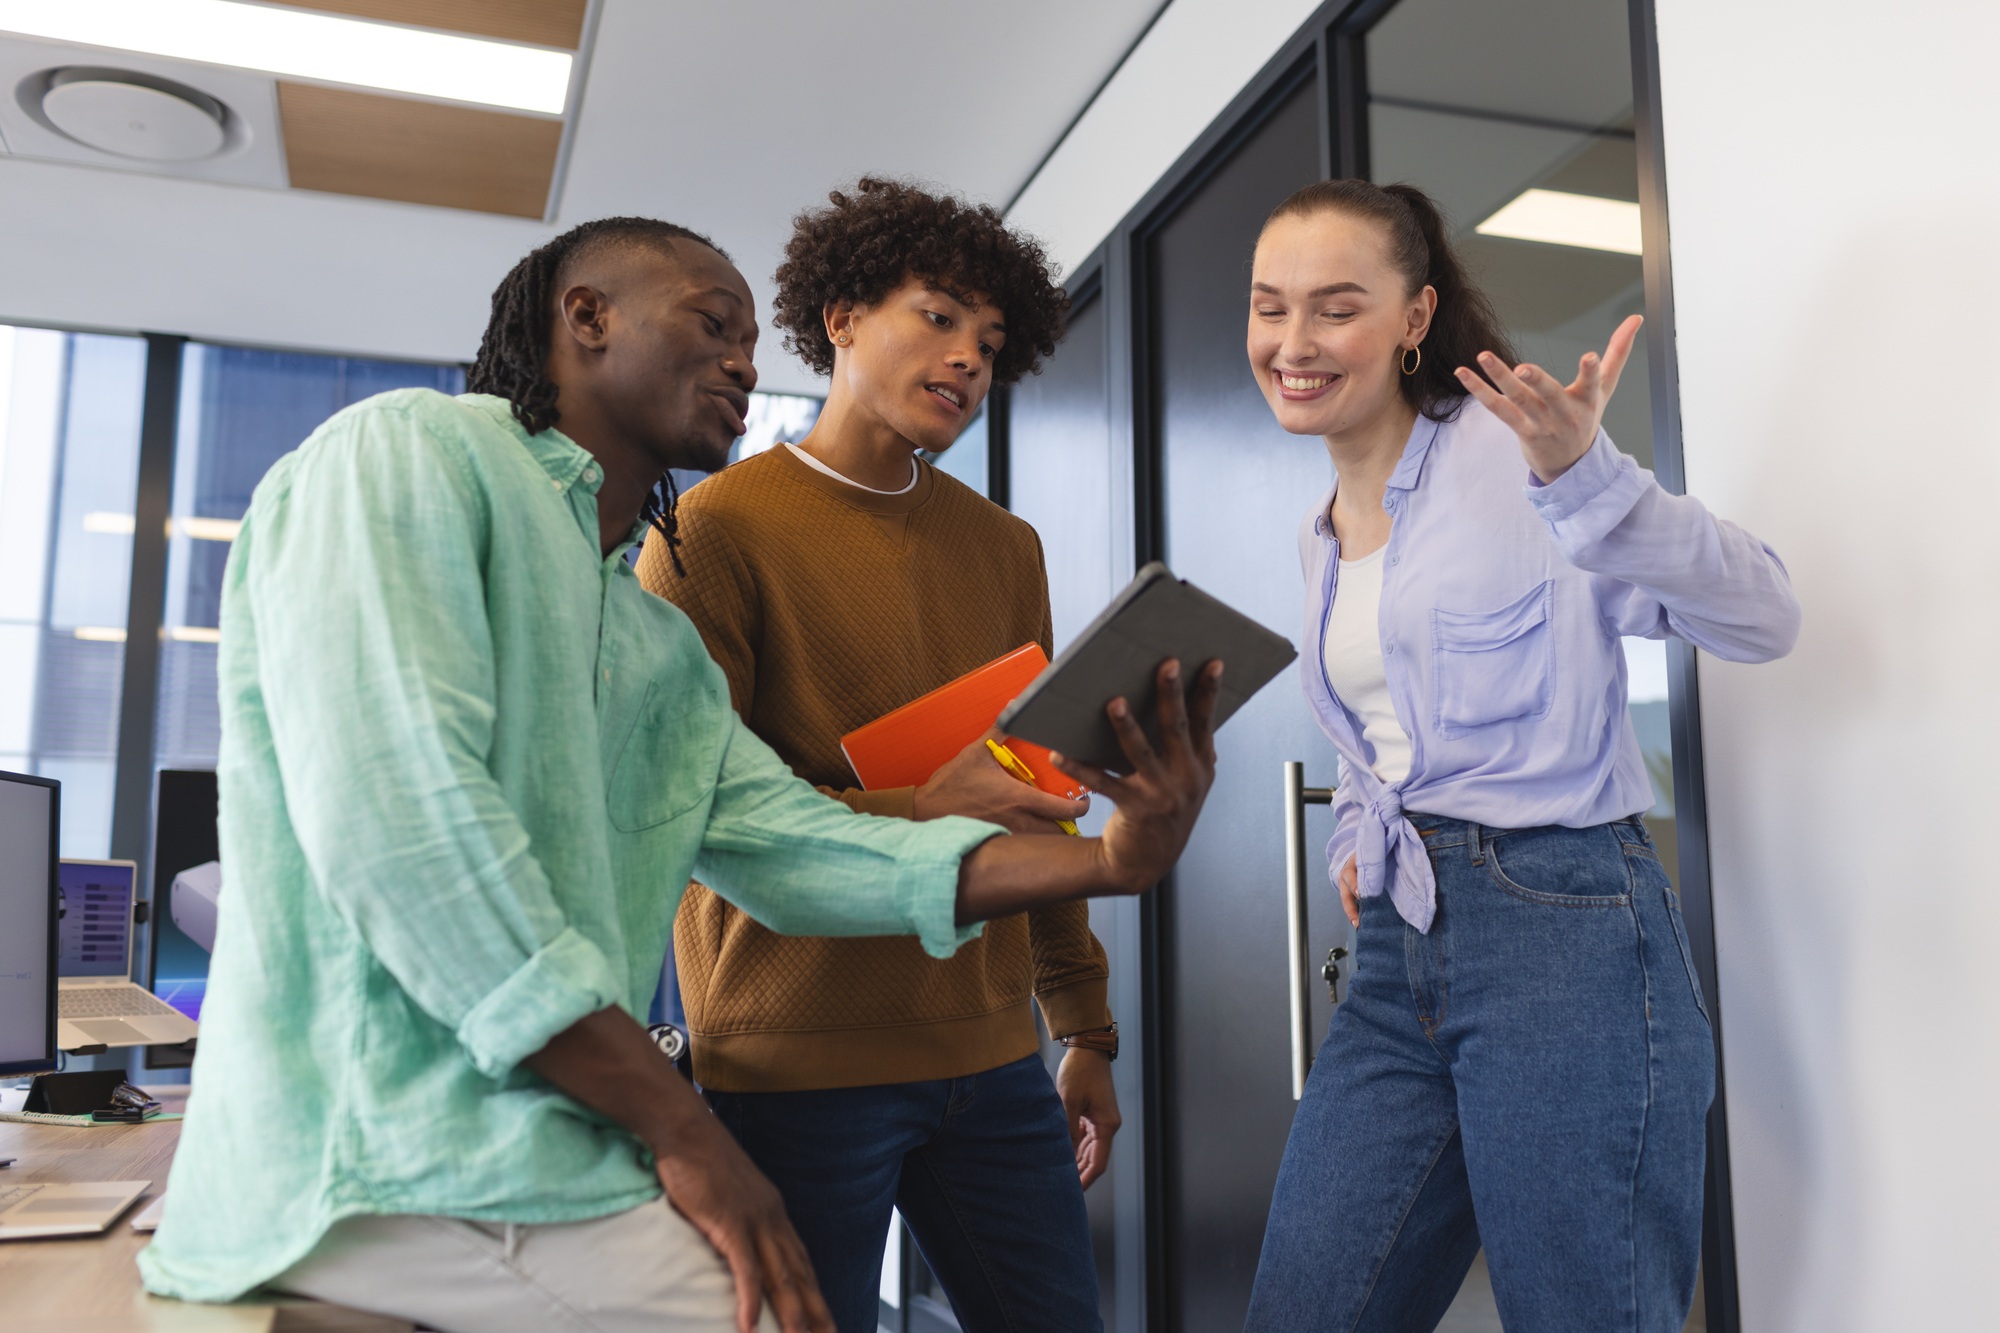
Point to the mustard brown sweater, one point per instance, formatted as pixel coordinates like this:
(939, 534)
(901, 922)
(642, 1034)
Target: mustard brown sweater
(827, 606)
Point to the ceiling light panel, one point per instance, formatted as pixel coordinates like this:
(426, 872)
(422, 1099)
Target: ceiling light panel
(1557, 218)
(299, 45)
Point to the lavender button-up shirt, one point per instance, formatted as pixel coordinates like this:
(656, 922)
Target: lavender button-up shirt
(1502, 610)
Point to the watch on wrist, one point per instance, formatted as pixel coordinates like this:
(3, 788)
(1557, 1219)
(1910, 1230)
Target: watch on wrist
(673, 1043)
(1102, 1040)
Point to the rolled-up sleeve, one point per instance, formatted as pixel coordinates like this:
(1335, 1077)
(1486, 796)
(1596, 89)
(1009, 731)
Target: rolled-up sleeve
(801, 863)
(378, 674)
(1667, 565)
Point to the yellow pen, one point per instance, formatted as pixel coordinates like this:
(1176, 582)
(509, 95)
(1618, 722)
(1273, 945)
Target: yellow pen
(1016, 769)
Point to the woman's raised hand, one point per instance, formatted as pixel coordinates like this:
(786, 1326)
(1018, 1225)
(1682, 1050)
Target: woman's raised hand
(1556, 422)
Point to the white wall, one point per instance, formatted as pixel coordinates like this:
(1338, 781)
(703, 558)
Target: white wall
(82, 247)
(1195, 59)
(1835, 206)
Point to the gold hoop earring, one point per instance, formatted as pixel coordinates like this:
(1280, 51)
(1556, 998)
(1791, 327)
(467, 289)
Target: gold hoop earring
(1404, 360)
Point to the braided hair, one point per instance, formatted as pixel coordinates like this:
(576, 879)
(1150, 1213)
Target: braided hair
(513, 360)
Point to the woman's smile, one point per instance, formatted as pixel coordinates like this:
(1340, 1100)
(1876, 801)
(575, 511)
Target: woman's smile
(1302, 387)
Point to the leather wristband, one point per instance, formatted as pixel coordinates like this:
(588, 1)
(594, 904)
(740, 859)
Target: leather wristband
(1102, 1040)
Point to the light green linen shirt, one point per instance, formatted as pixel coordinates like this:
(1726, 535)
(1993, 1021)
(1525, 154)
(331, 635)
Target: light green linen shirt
(468, 765)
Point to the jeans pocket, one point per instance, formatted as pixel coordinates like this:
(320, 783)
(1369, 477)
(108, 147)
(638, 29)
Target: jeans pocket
(1561, 867)
(1673, 901)
(1494, 666)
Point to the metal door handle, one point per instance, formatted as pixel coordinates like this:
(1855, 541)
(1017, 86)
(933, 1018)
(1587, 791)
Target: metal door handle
(1298, 951)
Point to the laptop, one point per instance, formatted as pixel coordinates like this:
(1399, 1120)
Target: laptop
(28, 1211)
(96, 1002)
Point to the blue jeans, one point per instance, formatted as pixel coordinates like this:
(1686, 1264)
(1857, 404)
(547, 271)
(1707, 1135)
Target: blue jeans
(1534, 1075)
(981, 1168)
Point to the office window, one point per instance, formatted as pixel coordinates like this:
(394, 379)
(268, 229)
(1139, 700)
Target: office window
(69, 466)
(241, 410)
(773, 418)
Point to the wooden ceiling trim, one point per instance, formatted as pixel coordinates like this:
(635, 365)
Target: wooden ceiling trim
(378, 147)
(543, 22)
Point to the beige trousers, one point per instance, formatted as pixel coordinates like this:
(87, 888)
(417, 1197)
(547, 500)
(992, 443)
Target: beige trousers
(646, 1268)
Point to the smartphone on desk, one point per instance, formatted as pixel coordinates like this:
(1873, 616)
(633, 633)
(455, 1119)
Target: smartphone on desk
(129, 1106)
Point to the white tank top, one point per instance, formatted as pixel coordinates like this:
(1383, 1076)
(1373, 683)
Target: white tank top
(1354, 668)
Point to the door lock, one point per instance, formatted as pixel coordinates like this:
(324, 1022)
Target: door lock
(1332, 973)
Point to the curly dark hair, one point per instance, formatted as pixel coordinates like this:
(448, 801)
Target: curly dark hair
(865, 244)
(513, 360)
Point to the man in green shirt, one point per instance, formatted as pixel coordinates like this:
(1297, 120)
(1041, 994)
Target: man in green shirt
(467, 766)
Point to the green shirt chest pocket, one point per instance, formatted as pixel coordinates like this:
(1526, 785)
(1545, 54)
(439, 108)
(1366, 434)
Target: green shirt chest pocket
(671, 754)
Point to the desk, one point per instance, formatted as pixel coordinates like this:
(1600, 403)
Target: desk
(91, 1284)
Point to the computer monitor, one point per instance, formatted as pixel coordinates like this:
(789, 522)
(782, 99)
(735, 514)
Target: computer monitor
(96, 926)
(30, 816)
(184, 836)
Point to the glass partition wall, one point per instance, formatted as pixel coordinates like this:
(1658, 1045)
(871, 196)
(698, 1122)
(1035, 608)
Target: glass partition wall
(1146, 437)
(1518, 119)
(70, 408)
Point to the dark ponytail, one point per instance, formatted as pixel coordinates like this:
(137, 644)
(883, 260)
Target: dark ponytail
(1420, 250)
(513, 360)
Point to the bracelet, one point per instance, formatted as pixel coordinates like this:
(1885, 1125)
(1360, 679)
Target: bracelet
(1102, 1040)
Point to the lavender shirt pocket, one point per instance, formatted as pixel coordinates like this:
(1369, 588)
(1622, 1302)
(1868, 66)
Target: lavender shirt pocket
(1494, 666)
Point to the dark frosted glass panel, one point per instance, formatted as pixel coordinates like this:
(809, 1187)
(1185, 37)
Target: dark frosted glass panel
(1235, 487)
(1059, 473)
(1060, 479)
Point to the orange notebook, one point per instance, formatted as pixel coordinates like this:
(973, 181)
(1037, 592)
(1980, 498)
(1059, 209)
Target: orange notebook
(903, 748)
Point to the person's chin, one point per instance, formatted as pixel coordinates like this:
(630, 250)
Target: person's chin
(933, 437)
(1300, 418)
(700, 455)
(714, 455)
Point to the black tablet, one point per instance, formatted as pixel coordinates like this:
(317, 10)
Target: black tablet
(1157, 616)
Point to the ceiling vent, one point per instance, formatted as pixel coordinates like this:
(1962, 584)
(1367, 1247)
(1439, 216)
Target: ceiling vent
(146, 114)
(133, 115)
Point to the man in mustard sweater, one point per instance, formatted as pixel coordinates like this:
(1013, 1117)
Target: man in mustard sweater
(835, 579)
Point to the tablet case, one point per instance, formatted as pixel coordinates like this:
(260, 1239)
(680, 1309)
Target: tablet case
(78, 1092)
(903, 748)
(1157, 616)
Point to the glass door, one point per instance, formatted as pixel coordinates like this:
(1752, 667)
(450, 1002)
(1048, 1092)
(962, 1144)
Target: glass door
(1232, 488)
(1518, 119)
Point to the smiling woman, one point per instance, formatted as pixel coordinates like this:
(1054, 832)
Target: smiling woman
(1458, 658)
